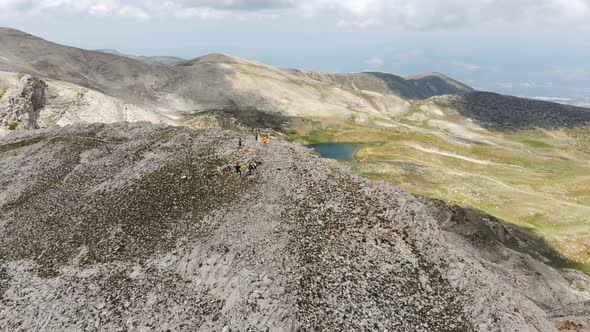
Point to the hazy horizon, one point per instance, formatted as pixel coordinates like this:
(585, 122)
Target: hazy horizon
(535, 49)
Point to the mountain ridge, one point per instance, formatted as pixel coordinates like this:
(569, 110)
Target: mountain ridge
(220, 81)
(160, 60)
(169, 86)
(217, 81)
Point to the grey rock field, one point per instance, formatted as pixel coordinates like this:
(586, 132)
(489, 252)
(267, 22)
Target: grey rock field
(132, 227)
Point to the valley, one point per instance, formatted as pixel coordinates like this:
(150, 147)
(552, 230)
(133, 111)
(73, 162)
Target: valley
(535, 178)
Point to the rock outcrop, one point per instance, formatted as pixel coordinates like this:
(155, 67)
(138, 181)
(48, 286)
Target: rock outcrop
(24, 105)
(31, 102)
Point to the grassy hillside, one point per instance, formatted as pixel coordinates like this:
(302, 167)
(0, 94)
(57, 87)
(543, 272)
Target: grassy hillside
(534, 178)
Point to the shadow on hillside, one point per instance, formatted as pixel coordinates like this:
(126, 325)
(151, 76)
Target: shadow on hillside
(245, 117)
(417, 88)
(235, 117)
(398, 85)
(506, 113)
(490, 234)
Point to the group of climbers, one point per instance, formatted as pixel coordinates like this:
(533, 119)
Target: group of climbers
(258, 137)
(248, 168)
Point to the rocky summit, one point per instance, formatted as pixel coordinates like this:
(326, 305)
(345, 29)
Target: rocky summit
(138, 227)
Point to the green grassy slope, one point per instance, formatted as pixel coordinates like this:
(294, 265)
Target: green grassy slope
(535, 178)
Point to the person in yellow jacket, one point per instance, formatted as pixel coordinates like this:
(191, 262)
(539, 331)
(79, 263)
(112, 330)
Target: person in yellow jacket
(265, 139)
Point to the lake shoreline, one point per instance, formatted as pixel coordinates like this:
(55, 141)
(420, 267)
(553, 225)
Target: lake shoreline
(338, 151)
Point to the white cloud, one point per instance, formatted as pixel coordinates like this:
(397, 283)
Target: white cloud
(409, 57)
(375, 61)
(468, 66)
(143, 9)
(398, 14)
(505, 85)
(511, 85)
(426, 14)
(553, 99)
(575, 101)
(581, 101)
(572, 74)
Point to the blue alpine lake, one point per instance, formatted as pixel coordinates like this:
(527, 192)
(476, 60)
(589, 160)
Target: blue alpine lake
(338, 151)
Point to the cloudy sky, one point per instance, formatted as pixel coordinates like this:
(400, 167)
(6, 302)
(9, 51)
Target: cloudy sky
(534, 48)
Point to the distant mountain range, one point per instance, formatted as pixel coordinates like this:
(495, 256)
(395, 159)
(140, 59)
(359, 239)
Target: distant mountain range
(154, 60)
(215, 81)
(172, 87)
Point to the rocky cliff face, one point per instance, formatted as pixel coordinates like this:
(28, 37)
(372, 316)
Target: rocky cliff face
(24, 104)
(30, 102)
(132, 226)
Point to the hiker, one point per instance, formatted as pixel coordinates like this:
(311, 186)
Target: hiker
(256, 135)
(238, 168)
(239, 143)
(265, 139)
(252, 166)
(244, 168)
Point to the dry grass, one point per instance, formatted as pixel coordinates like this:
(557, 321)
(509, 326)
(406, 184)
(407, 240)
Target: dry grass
(535, 179)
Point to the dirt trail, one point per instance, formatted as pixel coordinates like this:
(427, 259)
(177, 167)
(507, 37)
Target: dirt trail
(449, 154)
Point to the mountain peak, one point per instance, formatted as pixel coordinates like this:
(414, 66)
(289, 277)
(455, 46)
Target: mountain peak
(424, 75)
(215, 58)
(435, 81)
